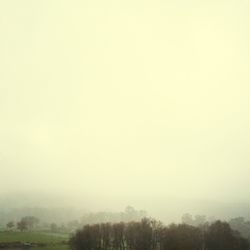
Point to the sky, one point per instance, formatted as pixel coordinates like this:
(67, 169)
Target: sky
(126, 98)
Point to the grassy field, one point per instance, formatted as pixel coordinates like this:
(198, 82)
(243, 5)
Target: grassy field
(58, 247)
(52, 241)
(55, 247)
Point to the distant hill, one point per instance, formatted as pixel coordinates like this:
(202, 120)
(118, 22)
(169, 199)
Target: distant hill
(59, 207)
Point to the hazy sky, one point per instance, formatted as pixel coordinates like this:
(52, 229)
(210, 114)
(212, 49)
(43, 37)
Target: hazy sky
(126, 97)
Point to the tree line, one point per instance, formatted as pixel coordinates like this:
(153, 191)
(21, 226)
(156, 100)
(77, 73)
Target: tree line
(239, 224)
(149, 234)
(26, 223)
(68, 223)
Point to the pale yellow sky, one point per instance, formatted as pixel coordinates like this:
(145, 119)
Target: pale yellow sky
(126, 97)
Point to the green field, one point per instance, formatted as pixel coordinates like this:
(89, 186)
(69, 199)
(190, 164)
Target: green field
(57, 247)
(52, 241)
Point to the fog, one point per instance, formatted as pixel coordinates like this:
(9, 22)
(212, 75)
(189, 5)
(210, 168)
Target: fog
(112, 103)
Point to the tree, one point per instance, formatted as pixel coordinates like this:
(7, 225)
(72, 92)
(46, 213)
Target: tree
(241, 225)
(118, 235)
(149, 234)
(157, 232)
(139, 235)
(88, 238)
(180, 237)
(22, 225)
(106, 234)
(32, 221)
(27, 222)
(220, 236)
(10, 225)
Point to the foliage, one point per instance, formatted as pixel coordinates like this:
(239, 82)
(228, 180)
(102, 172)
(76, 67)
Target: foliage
(152, 235)
(129, 214)
(27, 222)
(10, 225)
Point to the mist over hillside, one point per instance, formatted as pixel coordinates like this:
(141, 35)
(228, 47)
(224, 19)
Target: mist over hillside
(125, 124)
(60, 208)
(114, 111)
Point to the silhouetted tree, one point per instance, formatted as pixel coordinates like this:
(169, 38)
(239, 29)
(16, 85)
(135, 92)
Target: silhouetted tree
(241, 225)
(106, 234)
(118, 236)
(157, 229)
(180, 237)
(27, 222)
(220, 237)
(10, 225)
(150, 234)
(22, 225)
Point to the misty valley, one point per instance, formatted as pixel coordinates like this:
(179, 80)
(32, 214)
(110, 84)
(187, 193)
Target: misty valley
(124, 124)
